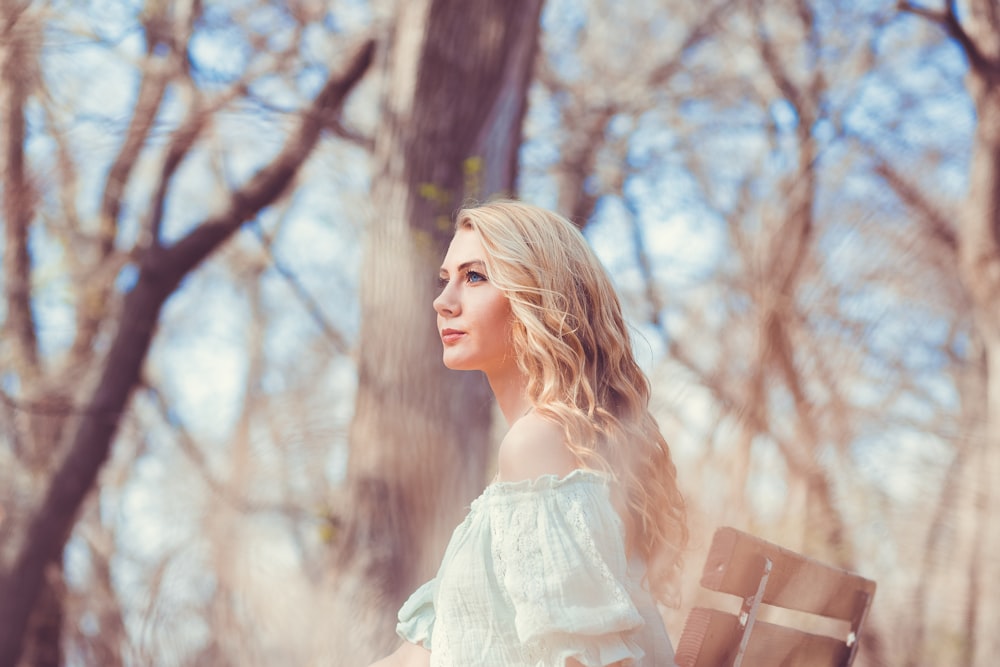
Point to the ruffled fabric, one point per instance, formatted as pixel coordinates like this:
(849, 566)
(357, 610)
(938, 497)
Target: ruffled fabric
(535, 575)
(416, 616)
(559, 550)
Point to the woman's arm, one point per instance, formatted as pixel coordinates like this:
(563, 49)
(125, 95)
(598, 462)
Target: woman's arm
(407, 655)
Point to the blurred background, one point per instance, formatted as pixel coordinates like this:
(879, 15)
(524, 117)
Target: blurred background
(226, 437)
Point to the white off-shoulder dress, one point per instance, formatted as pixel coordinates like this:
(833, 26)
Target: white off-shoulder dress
(536, 574)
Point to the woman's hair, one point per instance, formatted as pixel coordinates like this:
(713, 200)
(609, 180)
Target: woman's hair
(572, 342)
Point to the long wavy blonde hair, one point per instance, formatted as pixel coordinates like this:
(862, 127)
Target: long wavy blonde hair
(572, 343)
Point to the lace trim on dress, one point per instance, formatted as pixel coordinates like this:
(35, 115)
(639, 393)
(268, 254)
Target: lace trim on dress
(546, 482)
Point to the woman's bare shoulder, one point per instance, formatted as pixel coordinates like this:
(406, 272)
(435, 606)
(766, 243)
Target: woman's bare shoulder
(534, 446)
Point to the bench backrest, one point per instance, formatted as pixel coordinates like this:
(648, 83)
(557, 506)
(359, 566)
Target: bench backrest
(760, 572)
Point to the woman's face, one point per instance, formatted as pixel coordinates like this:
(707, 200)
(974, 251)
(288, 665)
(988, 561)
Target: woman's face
(473, 316)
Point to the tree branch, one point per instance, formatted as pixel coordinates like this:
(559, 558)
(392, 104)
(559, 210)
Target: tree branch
(161, 271)
(151, 91)
(218, 487)
(269, 183)
(68, 183)
(92, 301)
(665, 71)
(777, 70)
(16, 69)
(334, 125)
(308, 302)
(935, 224)
(948, 19)
(182, 141)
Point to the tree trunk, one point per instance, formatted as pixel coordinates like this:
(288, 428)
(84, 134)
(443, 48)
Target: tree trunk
(977, 33)
(455, 92)
(979, 261)
(979, 246)
(43, 639)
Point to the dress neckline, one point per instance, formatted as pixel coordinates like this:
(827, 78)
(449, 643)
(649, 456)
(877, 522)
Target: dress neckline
(546, 482)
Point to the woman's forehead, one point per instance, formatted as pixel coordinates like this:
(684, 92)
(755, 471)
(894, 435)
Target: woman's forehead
(465, 248)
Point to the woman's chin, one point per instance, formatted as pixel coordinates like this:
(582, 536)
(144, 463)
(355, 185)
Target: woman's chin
(457, 364)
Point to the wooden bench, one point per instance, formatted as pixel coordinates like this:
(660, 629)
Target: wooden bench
(762, 573)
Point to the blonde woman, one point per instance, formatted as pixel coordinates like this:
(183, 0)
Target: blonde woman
(561, 560)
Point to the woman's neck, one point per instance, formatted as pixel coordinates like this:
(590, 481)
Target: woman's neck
(509, 389)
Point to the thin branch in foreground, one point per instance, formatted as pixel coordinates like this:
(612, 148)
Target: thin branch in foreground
(270, 182)
(194, 454)
(311, 305)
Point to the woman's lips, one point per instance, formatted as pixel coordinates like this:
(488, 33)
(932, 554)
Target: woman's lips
(451, 335)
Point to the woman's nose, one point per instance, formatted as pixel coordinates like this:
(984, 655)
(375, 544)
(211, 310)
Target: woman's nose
(446, 302)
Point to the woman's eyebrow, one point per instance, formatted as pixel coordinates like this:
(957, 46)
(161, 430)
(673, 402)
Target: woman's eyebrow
(464, 265)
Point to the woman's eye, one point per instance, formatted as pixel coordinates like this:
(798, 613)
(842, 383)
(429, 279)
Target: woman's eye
(475, 277)
(442, 282)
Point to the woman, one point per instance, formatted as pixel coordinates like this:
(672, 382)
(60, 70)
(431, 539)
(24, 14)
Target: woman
(561, 559)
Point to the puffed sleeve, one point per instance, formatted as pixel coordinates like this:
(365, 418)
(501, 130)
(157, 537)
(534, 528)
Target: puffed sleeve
(559, 551)
(416, 616)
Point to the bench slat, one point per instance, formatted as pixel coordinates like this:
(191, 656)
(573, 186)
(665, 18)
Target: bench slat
(712, 637)
(796, 581)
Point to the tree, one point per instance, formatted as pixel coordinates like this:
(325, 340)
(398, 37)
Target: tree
(67, 434)
(455, 92)
(976, 237)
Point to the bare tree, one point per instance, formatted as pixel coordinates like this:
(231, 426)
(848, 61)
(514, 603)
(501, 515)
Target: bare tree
(65, 440)
(977, 237)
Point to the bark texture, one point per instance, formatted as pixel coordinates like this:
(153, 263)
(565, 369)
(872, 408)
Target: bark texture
(455, 89)
(979, 265)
